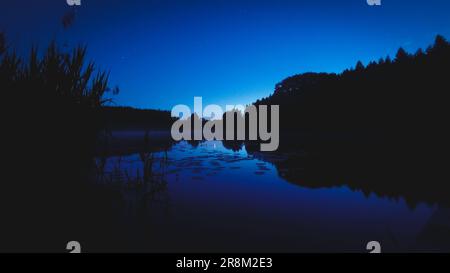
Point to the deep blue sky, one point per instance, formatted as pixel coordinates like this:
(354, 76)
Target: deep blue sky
(165, 52)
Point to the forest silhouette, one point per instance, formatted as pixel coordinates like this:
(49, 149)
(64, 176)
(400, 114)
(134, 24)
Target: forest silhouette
(405, 93)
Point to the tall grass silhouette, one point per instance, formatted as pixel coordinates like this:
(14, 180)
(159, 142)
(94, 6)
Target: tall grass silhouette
(51, 110)
(64, 75)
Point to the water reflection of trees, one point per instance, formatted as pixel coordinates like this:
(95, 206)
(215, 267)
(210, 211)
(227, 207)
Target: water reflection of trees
(365, 165)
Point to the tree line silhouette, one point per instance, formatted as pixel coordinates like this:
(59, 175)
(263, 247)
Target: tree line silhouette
(403, 99)
(407, 93)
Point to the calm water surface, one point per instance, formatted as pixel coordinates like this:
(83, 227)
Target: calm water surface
(209, 198)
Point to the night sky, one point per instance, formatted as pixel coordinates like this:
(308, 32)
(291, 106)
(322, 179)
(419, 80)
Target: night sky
(162, 53)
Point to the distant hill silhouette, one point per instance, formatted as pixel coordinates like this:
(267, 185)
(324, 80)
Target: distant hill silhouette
(128, 118)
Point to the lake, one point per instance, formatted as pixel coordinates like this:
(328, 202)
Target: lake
(205, 197)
